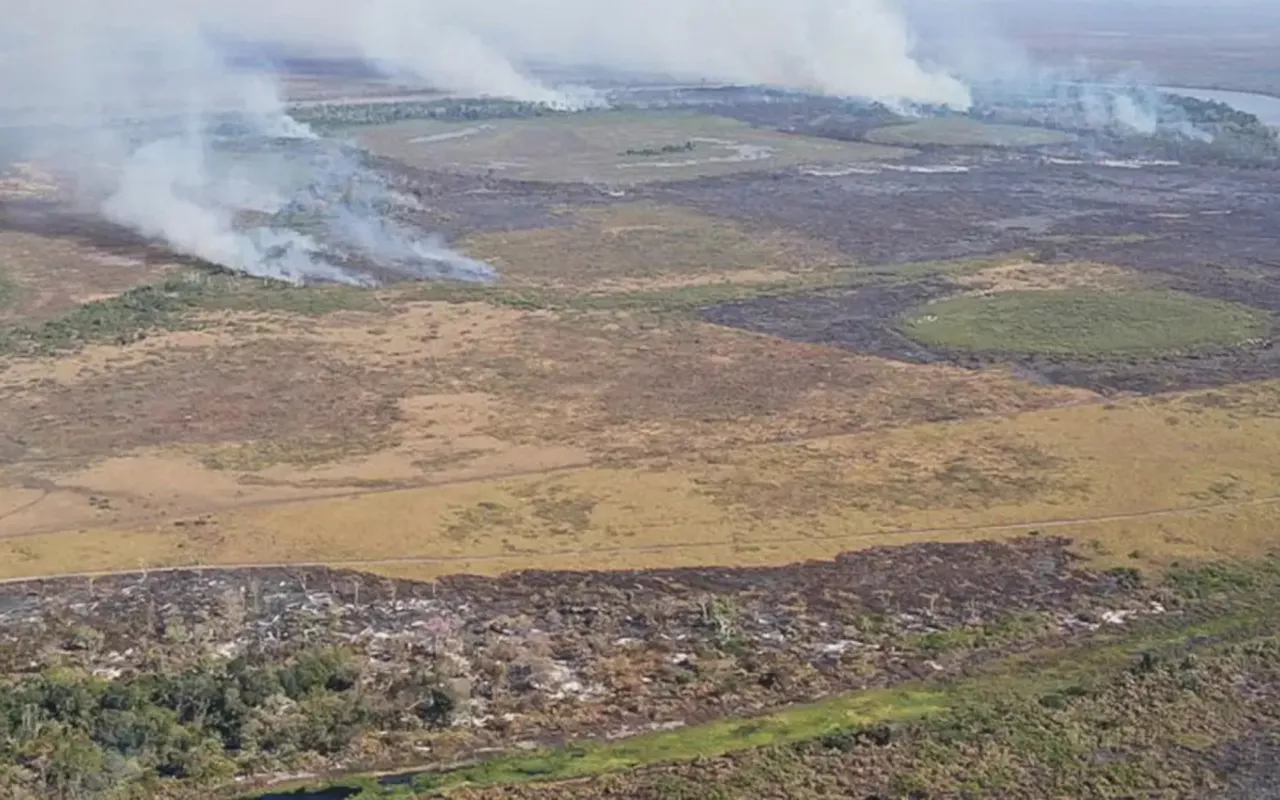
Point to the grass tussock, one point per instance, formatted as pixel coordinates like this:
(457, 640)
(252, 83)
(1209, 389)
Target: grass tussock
(168, 305)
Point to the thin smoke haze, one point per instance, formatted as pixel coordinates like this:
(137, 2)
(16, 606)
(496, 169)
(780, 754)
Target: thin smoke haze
(844, 47)
(136, 111)
(83, 66)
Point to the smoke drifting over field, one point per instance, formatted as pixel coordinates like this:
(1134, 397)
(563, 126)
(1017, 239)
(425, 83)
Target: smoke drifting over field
(141, 99)
(137, 112)
(210, 162)
(852, 47)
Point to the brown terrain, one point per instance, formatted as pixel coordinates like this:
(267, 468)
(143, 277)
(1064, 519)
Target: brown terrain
(681, 463)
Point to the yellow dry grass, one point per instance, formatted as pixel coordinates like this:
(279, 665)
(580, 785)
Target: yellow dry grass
(191, 422)
(455, 391)
(1139, 482)
(1023, 276)
(420, 438)
(647, 246)
(624, 385)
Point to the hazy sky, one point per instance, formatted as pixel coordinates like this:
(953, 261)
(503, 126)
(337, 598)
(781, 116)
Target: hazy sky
(844, 46)
(1134, 16)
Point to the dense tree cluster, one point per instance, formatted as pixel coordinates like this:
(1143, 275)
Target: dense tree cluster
(66, 734)
(1237, 136)
(1211, 112)
(664, 150)
(343, 114)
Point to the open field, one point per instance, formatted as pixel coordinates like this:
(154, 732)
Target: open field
(1140, 481)
(644, 246)
(1113, 337)
(608, 147)
(45, 277)
(560, 414)
(920, 426)
(964, 132)
(1084, 323)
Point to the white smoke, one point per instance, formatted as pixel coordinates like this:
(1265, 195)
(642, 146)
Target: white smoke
(842, 47)
(141, 99)
(1133, 115)
(134, 108)
(976, 39)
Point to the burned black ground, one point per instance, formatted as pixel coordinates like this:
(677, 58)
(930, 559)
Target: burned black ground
(540, 657)
(866, 320)
(1210, 232)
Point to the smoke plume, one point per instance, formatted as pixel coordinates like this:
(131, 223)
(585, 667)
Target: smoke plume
(977, 39)
(134, 108)
(137, 108)
(843, 47)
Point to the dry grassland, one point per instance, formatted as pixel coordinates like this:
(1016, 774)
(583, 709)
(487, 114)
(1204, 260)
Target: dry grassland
(963, 132)
(421, 437)
(632, 385)
(1021, 276)
(1139, 482)
(609, 147)
(644, 246)
(248, 390)
(47, 276)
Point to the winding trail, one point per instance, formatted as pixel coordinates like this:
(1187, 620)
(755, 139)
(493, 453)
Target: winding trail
(1008, 527)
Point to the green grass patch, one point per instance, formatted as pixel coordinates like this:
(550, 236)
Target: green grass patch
(592, 146)
(973, 637)
(1216, 580)
(8, 291)
(965, 132)
(703, 741)
(1084, 323)
(713, 739)
(167, 305)
(687, 298)
(172, 303)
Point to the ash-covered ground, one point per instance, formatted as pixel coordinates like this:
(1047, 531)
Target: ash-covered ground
(547, 655)
(1191, 212)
